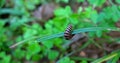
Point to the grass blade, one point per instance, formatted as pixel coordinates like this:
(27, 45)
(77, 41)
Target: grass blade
(108, 57)
(42, 39)
(77, 31)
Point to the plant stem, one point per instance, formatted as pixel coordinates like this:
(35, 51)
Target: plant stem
(23, 41)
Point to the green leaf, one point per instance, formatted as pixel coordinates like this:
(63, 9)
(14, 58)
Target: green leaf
(112, 13)
(88, 11)
(63, 12)
(29, 5)
(49, 26)
(80, 1)
(28, 56)
(58, 42)
(108, 12)
(52, 54)
(19, 54)
(5, 58)
(36, 57)
(83, 61)
(2, 54)
(2, 22)
(2, 2)
(66, 60)
(18, 3)
(79, 10)
(19, 38)
(34, 48)
(72, 61)
(29, 32)
(48, 44)
(66, 1)
(35, 1)
(91, 34)
(101, 17)
(115, 13)
(99, 33)
(94, 17)
(97, 2)
(73, 20)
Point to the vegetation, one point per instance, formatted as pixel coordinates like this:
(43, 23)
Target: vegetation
(33, 31)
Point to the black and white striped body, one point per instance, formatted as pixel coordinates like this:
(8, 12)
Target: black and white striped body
(68, 32)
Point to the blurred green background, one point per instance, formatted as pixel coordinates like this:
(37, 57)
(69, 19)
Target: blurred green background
(26, 21)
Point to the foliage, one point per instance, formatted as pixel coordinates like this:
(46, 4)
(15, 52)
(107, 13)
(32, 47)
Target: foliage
(32, 39)
(114, 57)
(66, 60)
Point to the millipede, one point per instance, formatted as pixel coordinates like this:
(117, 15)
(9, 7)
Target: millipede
(68, 32)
